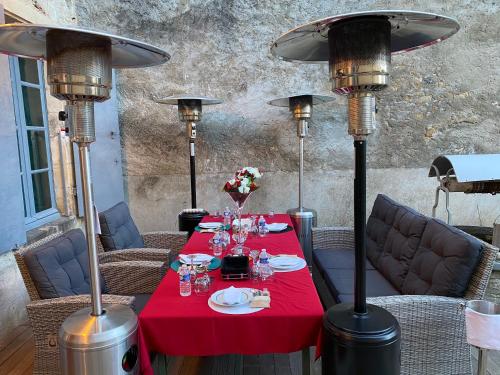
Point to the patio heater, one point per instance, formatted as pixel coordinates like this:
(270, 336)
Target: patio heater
(190, 109)
(303, 219)
(361, 338)
(79, 64)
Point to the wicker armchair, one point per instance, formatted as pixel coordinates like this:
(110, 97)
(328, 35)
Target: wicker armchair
(121, 236)
(123, 280)
(432, 327)
(159, 246)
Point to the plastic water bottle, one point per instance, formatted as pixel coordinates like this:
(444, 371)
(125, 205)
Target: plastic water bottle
(265, 269)
(227, 217)
(184, 281)
(262, 229)
(262, 221)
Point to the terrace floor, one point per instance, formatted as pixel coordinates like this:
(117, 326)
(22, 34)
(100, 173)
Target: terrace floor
(16, 358)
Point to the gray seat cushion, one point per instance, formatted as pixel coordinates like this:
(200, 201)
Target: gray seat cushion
(118, 230)
(336, 259)
(140, 302)
(60, 267)
(340, 282)
(401, 245)
(379, 223)
(444, 262)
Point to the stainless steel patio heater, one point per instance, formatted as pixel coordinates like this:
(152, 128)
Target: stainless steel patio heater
(304, 219)
(190, 110)
(96, 340)
(361, 338)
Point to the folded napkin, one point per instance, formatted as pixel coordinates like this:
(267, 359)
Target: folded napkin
(246, 221)
(261, 299)
(231, 296)
(207, 230)
(185, 258)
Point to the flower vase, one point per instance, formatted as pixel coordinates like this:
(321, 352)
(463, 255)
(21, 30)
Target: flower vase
(239, 200)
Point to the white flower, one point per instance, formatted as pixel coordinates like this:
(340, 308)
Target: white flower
(232, 181)
(245, 181)
(244, 189)
(254, 172)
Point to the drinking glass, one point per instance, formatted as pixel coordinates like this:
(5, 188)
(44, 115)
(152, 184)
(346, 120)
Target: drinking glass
(254, 229)
(263, 231)
(254, 254)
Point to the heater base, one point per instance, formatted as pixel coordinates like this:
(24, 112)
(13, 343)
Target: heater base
(303, 221)
(190, 218)
(104, 344)
(360, 344)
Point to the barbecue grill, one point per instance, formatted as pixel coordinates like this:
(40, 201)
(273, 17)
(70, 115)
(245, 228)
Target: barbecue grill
(190, 110)
(303, 219)
(361, 338)
(79, 66)
(469, 174)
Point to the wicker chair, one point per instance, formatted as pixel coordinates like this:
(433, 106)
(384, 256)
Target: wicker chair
(432, 327)
(158, 246)
(123, 280)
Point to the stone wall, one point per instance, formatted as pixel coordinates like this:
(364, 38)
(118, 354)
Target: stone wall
(442, 100)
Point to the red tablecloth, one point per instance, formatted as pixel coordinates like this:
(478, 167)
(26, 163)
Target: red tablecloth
(187, 326)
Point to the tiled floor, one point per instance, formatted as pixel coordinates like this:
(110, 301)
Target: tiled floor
(16, 358)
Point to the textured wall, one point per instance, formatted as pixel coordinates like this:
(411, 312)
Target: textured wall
(443, 99)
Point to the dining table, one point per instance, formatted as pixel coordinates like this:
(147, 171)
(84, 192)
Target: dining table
(176, 325)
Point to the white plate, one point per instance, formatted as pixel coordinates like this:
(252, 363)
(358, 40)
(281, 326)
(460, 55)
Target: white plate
(218, 298)
(302, 264)
(284, 261)
(198, 258)
(210, 225)
(277, 227)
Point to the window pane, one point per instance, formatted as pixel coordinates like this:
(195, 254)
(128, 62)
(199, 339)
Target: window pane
(29, 70)
(32, 106)
(38, 149)
(41, 191)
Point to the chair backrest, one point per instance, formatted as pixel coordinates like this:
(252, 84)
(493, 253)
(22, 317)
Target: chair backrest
(118, 230)
(58, 266)
(482, 273)
(414, 253)
(23, 268)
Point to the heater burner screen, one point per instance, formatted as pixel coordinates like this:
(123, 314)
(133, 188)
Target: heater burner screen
(360, 54)
(79, 66)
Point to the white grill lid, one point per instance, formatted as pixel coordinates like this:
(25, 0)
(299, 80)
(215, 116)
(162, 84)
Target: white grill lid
(468, 168)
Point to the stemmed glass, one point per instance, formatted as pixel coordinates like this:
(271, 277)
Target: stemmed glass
(240, 237)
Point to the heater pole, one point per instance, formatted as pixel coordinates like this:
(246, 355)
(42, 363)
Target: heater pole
(192, 166)
(360, 226)
(88, 206)
(301, 173)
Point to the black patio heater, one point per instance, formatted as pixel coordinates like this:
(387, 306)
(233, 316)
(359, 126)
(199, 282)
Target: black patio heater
(101, 338)
(360, 338)
(189, 108)
(304, 219)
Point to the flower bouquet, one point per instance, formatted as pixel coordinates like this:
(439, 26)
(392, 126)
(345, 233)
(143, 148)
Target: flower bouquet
(239, 189)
